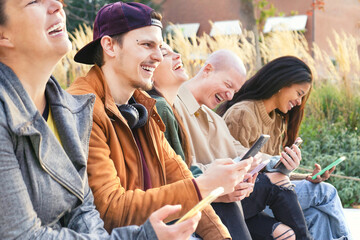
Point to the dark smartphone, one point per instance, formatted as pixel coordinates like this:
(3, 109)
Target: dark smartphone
(297, 142)
(254, 148)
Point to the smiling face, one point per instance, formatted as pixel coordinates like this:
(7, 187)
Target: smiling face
(220, 86)
(36, 28)
(170, 72)
(289, 97)
(138, 56)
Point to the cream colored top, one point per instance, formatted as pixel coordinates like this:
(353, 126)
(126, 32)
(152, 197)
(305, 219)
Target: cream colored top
(247, 120)
(209, 136)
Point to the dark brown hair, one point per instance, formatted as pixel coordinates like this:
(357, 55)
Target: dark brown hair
(99, 55)
(280, 72)
(3, 17)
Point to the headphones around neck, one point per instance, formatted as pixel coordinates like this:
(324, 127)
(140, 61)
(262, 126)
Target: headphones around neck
(135, 113)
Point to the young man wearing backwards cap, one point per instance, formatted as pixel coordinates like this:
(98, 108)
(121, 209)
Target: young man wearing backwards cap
(132, 169)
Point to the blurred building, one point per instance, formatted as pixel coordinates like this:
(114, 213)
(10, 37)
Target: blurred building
(194, 17)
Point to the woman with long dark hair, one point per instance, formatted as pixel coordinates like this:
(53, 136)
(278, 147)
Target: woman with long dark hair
(44, 137)
(272, 102)
(282, 88)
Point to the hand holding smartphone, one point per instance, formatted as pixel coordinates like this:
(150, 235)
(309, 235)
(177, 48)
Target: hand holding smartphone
(339, 160)
(255, 148)
(297, 142)
(258, 168)
(202, 204)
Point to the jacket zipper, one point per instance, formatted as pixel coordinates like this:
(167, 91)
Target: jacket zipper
(134, 142)
(139, 161)
(60, 182)
(148, 135)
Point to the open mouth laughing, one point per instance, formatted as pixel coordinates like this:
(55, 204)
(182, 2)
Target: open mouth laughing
(178, 66)
(148, 68)
(56, 29)
(219, 99)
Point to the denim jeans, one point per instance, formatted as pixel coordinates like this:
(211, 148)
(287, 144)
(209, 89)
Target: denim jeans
(322, 210)
(284, 204)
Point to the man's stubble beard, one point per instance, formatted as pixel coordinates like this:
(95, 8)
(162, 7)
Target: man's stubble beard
(145, 86)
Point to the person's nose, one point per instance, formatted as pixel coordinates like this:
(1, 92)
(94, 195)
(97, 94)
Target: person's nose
(176, 56)
(157, 55)
(229, 95)
(54, 6)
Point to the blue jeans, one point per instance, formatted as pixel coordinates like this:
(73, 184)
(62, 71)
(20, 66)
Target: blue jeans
(322, 210)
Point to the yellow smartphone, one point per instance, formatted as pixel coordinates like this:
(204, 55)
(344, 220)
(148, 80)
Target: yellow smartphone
(202, 204)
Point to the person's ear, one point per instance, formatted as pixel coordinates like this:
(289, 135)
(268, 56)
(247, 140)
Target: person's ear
(5, 41)
(208, 68)
(107, 44)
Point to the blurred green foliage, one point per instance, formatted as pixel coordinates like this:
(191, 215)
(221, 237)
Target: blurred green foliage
(330, 130)
(81, 12)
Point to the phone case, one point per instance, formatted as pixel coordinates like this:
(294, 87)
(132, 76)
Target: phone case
(258, 168)
(202, 204)
(255, 148)
(297, 142)
(328, 167)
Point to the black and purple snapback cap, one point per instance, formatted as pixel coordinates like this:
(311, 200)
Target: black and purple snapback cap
(113, 19)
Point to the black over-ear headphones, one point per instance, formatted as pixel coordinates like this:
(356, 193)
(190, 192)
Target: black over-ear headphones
(135, 113)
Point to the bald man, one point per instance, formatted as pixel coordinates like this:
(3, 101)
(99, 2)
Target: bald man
(221, 76)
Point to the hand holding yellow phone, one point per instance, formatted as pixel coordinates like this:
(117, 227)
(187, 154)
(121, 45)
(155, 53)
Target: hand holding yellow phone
(202, 204)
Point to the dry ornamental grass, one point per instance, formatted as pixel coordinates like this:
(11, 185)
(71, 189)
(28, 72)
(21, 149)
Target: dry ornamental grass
(335, 98)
